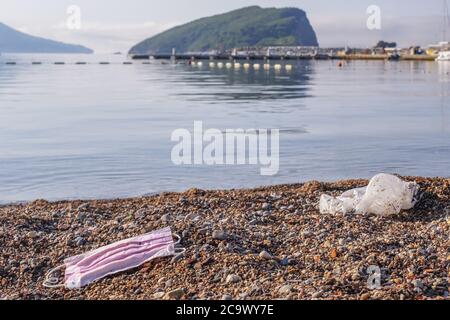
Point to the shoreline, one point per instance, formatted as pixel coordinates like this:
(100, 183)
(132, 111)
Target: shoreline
(311, 256)
(158, 193)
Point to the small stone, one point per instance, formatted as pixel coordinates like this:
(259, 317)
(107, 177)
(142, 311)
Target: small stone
(284, 262)
(165, 218)
(306, 233)
(265, 255)
(192, 216)
(176, 294)
(159, 295)
(162, 280)
(418, 284)
(83, 207)
(232, 278)
(227, 297)
(243, 295)
(217, 278)
(266, 206)
(198, 266)
(81, 216)
(140, 214)
(168, 283)
(219, 235)
(178, 257)
(32, 234)
(191, 261)
(365, 296)
(80, 241)
(285, 290)
(333, 254)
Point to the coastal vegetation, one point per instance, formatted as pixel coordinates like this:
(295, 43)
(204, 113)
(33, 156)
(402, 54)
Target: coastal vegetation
(250, 26)
(385, 44)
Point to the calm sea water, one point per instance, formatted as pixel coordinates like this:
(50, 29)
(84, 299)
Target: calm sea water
(103, 131)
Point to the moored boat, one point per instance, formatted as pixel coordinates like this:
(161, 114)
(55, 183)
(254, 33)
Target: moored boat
(443, 56)
(394, 56)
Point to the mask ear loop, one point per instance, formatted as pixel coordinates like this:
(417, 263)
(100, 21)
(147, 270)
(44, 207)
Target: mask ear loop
(178, 238)
(180, 250)
(52, 282)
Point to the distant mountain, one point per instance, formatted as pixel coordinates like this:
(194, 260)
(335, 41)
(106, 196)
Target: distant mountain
(250, 26)
(13, 41)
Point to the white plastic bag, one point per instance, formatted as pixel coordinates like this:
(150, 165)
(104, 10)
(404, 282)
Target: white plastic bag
(344, 204)
(385, 195)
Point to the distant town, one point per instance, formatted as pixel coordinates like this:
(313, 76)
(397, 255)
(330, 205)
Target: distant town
(381, 51)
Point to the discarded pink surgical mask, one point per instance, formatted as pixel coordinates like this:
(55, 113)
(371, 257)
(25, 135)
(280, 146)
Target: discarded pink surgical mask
(127, 254)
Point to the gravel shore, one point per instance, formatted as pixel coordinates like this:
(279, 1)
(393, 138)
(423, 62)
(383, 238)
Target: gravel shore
(267, 243)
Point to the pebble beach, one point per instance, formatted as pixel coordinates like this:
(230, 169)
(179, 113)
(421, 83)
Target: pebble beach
(265, 243)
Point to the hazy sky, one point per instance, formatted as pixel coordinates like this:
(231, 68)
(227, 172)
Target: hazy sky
(113, 25)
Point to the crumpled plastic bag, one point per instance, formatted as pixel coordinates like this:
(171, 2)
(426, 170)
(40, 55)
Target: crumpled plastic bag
(345, 203)
(385, 195)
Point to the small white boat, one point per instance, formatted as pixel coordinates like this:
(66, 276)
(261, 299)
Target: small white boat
(443, 56)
